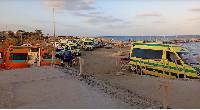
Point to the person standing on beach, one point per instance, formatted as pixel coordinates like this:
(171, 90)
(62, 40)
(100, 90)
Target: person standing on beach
(69, 58)
(128, 57)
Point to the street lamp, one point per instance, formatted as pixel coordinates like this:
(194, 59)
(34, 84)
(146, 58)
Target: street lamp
(54, 37)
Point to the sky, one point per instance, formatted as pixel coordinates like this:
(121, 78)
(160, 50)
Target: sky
(102, 17)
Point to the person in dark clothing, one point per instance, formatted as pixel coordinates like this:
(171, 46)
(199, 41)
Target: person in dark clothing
(128, 57)
(69, 58)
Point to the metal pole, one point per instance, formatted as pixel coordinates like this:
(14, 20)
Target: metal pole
(54, 38)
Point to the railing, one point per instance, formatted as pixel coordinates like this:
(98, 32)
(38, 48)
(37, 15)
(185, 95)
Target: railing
(136, 67)
(158, 61)
(184, 66)
(184, 70)
(121, 64)
(157, 66)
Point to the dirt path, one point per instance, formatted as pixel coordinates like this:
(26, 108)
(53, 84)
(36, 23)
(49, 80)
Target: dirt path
(100, 61)
(46, 87)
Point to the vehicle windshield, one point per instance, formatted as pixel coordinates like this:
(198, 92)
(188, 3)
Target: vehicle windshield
(1, 55)
(87, 43)
(66, 52)
(58, 50)
(74, 47)
(63, 44)
(46, 56)
(187, 55)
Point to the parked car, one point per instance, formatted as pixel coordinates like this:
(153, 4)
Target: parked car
(64, 57)
(59, 52)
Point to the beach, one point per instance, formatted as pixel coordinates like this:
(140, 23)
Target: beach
(103, 65)
(99, 54)
(60, 87)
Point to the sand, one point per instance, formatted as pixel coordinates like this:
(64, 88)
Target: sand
(47, 88)
(101, 63)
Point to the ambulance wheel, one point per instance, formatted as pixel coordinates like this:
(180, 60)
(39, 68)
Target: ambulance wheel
(131, 69)
(181, 76)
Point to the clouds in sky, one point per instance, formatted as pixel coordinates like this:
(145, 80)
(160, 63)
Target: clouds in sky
(158, 22)
(80, 14)
(194, 9)
(114, 26)
(69, 25)
(95, 12)
(127, 22)
(96, 19)
(101, 19)
(98, 15)
(58, 12)
(15, 26)
(41, 21)
(194, 18)
(146, 14)
(93, 17)
(72, 5)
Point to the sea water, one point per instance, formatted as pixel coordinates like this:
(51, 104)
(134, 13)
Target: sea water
(145, 38)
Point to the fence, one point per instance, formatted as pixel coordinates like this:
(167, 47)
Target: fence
(184, 66)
